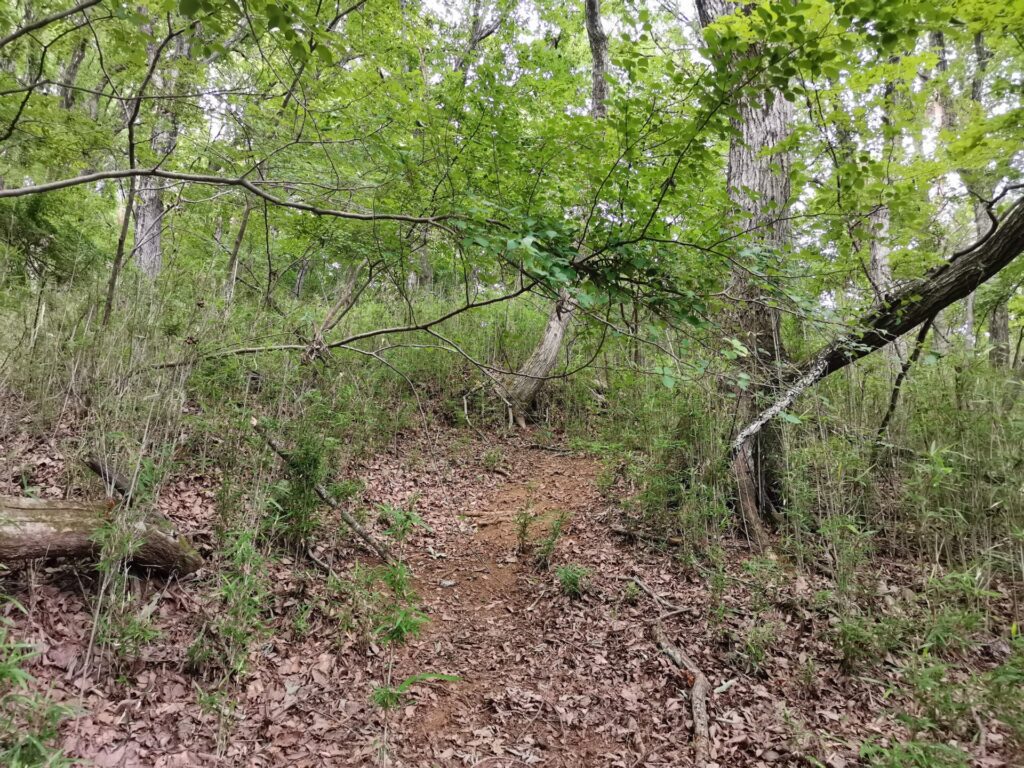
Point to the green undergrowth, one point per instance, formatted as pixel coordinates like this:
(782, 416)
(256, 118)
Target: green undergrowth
(937, 491)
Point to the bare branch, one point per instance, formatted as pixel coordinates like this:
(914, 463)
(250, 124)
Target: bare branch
(46, 21)
(199, 178)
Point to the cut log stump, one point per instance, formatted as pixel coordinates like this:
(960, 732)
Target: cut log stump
(33, 528)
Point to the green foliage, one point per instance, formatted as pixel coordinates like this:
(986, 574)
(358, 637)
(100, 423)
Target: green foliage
(493, 459)
(28, 721)
(401, 521)
(574, 580)
(759, 640)
(378, 604)
(631, 593)
(400, 623)
(863, 641)
(388, 697)
(1003, 685)
(522, 521)
(223, 643)
(293, 504)
(544, 550)
(945, 704)
(914, 754)
(471, 187)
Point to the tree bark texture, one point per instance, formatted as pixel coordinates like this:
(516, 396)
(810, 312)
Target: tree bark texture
(599, 58)
(759, 188)
(521, 389)
(34, 528)
(232, 277)
(149, 207)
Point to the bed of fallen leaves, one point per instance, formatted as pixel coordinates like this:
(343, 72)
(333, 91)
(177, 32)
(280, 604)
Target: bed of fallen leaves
(543, 678)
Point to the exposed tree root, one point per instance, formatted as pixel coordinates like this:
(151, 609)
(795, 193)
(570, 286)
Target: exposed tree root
(698, 693)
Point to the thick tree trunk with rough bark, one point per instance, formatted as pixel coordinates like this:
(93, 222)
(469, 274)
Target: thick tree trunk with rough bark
(34, 528)
(759, 187)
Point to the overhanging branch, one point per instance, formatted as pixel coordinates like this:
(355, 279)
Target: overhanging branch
(904, 309)
(235, 181)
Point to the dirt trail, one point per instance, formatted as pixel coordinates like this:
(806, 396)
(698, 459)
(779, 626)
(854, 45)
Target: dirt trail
(544, 679)
(491, 625)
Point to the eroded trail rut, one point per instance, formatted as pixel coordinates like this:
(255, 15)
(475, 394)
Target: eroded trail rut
(544, 679)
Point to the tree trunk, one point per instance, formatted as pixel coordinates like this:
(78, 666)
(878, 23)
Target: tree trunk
(521, 389)
(149, 220)
(759, 188)
(232, 278)
(149, 208)
(32, 528)
(999, 335)
(999, 322)
(599, 58)
(115, 269)
(67, 90)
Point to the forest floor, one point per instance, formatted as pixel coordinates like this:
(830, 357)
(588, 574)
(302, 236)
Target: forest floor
(543, 678)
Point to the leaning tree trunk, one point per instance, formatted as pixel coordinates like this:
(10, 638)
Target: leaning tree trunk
(232, 276)
(759, 188)
(521, 389)
(904, 309)
(36, 528)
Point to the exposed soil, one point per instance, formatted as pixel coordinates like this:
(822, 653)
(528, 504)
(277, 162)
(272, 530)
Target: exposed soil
(544, 679)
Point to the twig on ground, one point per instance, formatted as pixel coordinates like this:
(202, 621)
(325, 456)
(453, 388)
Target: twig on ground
(662, 602)
(698, 693)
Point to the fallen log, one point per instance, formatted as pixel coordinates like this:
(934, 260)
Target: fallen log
(34, 528)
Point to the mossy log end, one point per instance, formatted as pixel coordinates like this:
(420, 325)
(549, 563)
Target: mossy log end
(34, 528)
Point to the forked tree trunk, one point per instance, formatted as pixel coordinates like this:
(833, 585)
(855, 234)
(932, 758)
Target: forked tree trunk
(759, 188)
(35, 528)
(522, 389)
